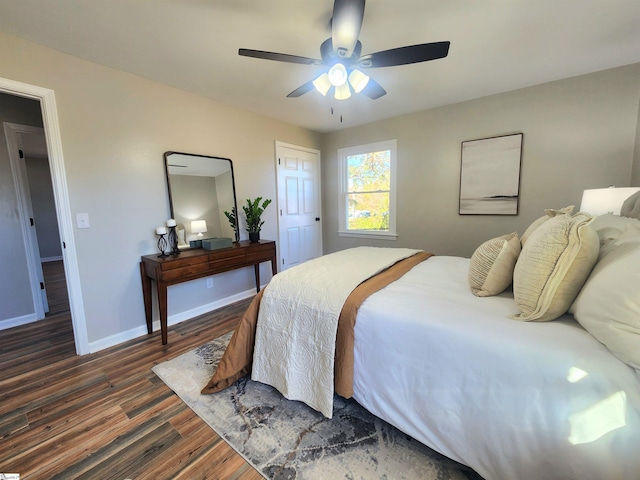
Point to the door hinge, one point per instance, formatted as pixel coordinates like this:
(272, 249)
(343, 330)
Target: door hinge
(280, 212)
(283, 261)
(64, 245)
(41, 286)
(32, 222)
(21, 153)
(278, 160)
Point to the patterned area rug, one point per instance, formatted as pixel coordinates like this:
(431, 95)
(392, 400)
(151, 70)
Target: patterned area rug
(285, 439)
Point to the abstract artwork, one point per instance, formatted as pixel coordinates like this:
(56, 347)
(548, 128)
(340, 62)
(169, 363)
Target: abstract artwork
(490, 175)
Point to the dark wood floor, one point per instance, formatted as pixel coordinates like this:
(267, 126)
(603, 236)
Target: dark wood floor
(56, 284)
(106, 415)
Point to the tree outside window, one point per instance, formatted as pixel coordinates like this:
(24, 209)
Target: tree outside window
(368, 196)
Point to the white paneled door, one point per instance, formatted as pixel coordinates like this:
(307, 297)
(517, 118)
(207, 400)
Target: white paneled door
(299, 219)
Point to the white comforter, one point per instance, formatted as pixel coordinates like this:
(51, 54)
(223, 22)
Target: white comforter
(296, 330)
(513, 400)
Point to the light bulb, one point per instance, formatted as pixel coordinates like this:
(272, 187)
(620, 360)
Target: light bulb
(337, 75)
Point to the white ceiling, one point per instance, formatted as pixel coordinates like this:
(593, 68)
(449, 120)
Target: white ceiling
(496, 46)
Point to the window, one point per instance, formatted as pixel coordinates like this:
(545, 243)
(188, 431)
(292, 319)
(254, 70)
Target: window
(367, 193)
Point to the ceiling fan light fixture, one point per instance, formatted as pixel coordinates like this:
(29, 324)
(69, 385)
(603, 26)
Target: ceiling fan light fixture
(358, 80)
(342, 92)
(322, 84)
(337, 75)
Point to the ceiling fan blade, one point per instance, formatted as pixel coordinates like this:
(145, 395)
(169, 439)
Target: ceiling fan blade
(301, 90)
(405, 55)
(278, 57)
(373, 89)
(345, 25)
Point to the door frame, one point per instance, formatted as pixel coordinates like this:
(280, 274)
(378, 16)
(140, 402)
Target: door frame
(278, 149)
(47, 100)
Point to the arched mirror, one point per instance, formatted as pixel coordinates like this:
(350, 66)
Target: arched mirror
(201, 188)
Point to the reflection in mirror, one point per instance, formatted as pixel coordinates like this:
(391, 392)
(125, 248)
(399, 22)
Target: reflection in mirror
(201, 188)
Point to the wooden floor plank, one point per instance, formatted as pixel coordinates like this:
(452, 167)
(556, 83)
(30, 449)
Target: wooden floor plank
(46, 448)
(192, 448)
(107, 451)
(106, 415)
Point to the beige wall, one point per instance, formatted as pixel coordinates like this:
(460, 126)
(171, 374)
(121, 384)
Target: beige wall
(115, 128)
(578, 133)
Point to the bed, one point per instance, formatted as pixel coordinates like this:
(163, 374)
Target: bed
(451, 361)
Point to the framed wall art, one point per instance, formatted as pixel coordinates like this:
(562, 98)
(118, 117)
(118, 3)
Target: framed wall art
(490, 175)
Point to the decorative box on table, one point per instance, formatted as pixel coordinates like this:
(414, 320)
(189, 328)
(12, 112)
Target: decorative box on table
(216, 243)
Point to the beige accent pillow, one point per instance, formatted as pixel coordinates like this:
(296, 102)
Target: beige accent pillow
(608, 305)
(549, 213)
(553, 266)
(491, 265)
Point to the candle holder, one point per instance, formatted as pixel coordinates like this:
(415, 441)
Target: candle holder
(173, 241)
(162, 245)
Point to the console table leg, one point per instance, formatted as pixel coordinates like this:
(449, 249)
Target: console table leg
(146, 297)
(162, 304)
(256, 269)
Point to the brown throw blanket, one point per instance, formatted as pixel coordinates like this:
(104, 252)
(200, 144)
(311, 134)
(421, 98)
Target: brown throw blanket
(238, 357)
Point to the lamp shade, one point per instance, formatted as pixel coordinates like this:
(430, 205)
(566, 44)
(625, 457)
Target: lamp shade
(342, 92)
(598, 201)
(337, 75)
(198, 226)
(322, 83)
(358, 80)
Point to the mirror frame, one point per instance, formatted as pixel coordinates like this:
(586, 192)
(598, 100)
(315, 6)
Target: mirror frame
(233, 182)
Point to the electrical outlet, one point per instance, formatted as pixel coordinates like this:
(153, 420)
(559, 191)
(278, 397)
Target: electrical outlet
(209, 282)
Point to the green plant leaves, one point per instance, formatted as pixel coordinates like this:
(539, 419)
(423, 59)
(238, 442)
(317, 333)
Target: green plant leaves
(253, 211)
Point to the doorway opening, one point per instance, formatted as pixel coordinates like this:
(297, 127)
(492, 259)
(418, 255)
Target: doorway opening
(69, 263)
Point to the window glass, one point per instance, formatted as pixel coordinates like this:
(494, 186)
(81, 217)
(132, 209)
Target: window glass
(367, 206)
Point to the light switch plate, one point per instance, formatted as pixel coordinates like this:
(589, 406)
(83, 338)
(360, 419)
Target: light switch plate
(82, 220)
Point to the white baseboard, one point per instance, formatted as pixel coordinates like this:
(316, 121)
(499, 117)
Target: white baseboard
(172, 320)
(18, 321)
(51, 259)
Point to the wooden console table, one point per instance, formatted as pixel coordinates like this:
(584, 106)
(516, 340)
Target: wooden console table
(197, 263)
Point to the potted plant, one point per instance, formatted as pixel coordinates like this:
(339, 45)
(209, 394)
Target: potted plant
(253, 211)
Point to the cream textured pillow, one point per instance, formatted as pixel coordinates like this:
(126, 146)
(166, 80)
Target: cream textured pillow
(553, 266)
(549, 213)
(491, 265)
(608, 306)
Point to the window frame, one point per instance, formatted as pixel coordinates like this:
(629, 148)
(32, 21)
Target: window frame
(343, 171)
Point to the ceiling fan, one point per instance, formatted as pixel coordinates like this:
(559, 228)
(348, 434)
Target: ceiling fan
(341, 56)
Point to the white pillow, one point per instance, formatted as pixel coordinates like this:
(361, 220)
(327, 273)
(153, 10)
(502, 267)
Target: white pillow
(608, 305)
(631, 206)
(491, 265)
(553, 266)
(609, 228)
